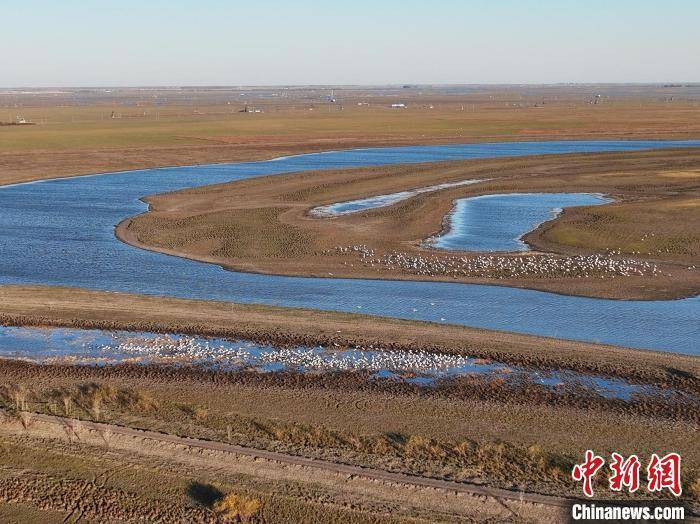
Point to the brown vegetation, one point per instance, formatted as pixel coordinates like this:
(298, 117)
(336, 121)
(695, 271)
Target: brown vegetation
(170, 475)
(237, 508)
(443, 432)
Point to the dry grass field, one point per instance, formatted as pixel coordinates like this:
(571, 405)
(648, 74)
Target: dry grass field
(349, 418)
(519, 444)
(69, 469)
(74, 132)
(263, 225)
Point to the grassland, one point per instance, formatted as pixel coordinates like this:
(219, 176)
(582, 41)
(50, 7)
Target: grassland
(263, 225)
(53, 476)
(77, 470)
(76, 134)
(489, 432)
(515, 444)
(148, 126)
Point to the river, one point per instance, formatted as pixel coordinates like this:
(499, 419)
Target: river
(60, 232)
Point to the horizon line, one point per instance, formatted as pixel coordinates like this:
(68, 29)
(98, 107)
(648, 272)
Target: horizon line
(679, 83)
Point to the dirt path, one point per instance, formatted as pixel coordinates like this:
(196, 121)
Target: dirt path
(74, 428)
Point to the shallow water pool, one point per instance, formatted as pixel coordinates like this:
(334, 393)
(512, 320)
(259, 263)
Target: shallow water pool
(362, 204)
(101, 348)
(498, 222)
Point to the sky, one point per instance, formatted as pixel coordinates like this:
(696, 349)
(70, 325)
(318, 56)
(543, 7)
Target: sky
(47, 43)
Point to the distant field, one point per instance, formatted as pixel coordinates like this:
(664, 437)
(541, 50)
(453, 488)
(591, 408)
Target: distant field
(93, 127)
(76, 134)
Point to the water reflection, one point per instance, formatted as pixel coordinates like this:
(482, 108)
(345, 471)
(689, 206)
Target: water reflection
(97, 347)
(353, 206)
(498, 222)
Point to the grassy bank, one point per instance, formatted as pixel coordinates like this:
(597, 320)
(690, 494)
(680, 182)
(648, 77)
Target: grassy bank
(515, 445)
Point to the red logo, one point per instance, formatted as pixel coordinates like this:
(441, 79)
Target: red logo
(625, 473)
(586, 471)
(665, 473)
(662, 473)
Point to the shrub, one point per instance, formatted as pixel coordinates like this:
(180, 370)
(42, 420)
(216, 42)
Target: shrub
(693, 488)
(234, 507)
(16, 395)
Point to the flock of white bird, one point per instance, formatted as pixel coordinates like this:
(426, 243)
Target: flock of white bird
(503, 266)
(233, 355)
(410, 365)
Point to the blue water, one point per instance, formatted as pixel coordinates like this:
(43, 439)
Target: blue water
(497, 222)
(95, 347)
(353, 206)
(61, 232)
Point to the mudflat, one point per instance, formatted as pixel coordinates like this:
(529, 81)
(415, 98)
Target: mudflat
(264, 225)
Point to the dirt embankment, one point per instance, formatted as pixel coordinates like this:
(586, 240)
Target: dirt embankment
(263, 225)
(172, 478)
(516, 444)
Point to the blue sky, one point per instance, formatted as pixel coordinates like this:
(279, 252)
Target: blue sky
(216, 42)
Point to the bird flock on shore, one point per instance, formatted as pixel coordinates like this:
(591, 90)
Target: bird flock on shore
(234, 355)
(502, 266)
(413, 366)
